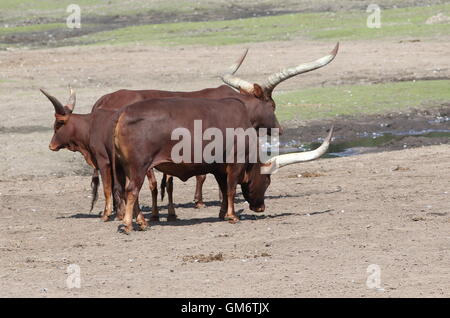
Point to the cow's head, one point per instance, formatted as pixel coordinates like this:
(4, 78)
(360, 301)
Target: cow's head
(257, 176)
(63, 127)
(262, 106)
(254, 187)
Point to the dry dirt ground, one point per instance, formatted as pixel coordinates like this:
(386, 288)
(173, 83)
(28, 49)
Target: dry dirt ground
(317, 236)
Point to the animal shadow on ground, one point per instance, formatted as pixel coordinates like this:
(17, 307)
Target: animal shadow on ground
(215, 203)
(81, 216)
(239, 199)
(195, 221)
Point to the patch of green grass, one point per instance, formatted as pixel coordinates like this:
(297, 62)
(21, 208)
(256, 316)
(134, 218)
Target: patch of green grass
(44, 7)
(328, 102)
(400, 23)
(5, 81)
(403, 22)
(31, 28)
(208, 33)
(15, 11)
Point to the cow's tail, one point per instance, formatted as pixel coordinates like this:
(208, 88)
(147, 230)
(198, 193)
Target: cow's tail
(117, 185)
(163, 185)
(95, 181)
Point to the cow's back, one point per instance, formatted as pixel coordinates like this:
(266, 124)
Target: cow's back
(153, 127)
(124, 97)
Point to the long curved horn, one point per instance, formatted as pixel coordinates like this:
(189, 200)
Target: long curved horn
(59, 108)
(296, 157)
(276, 78)
(72, 99)
(233, 68)
(234, 81)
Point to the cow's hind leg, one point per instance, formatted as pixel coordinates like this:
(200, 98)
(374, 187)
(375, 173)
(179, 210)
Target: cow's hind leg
(132, 188)
(119, 194)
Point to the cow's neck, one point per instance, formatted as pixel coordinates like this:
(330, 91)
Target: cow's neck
(81, 136)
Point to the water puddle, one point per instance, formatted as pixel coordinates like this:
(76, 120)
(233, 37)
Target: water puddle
(364, 142)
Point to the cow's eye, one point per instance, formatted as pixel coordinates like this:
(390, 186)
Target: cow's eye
(58, 125)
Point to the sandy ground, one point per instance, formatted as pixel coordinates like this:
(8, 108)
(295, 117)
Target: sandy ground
(317, 236)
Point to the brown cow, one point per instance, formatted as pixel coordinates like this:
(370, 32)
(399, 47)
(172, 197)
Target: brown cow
(143, 140)
(257, 99)
(73, 132)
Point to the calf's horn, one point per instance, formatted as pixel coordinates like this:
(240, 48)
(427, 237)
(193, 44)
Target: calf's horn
(296, 157)
(276, 78)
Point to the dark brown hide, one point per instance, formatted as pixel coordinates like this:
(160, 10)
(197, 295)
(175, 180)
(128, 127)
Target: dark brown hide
(143, 140)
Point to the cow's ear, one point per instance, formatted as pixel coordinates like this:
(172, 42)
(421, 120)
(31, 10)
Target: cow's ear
(62, 119)
(68, 109)
(258, 91)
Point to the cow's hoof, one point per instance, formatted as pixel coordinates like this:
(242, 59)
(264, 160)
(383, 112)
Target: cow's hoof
(172, 218)
(232, 219)
(144, 227)
(154, 218)
(124, 229)
(105, 218)
(200, 205)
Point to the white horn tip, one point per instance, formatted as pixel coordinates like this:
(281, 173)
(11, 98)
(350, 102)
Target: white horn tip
(335, 50)
(330, 134)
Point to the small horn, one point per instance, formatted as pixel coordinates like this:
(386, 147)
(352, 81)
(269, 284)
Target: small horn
(72, 99)
(59, 108)
(297, 157)
(276, 78)
(234, 81)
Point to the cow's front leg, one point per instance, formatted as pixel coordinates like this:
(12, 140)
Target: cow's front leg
(171, 209)
(232, 181)
(222, 181)
(105, 172)
(120, 212)
(198, 197)
(231, 215)
(154, 190)
(140, 219)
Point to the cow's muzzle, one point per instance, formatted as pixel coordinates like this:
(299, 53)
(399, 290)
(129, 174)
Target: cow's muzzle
(258, 209)
(53, 147)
